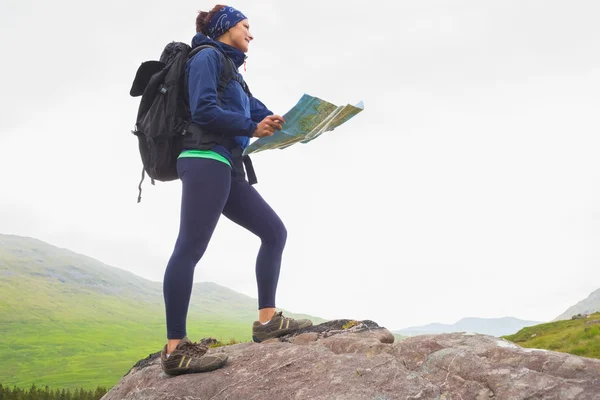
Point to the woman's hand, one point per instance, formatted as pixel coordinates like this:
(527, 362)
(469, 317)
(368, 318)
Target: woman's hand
(268, 126)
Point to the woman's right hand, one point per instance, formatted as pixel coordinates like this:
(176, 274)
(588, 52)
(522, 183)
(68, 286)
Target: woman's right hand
(268, 126)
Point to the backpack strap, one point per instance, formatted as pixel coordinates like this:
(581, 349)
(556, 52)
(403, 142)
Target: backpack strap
(229, 71)
(200, 139)
(197, 138)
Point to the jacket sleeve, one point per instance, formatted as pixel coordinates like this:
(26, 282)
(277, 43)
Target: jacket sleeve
(204, 71)
(258, 110)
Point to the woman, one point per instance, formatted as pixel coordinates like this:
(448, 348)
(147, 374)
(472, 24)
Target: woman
(214, 183)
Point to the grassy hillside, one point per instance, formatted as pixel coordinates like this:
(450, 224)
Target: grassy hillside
(572, 336)
(69, 321)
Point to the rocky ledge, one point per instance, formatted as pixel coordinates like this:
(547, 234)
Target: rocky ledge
(345, 359)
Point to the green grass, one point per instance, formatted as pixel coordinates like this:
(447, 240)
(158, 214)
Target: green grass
(398, 338)
(91, 354)
(570, 336)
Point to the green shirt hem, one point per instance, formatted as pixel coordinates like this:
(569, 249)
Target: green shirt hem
(204, 154)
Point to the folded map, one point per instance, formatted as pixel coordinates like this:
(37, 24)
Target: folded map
(307, 120)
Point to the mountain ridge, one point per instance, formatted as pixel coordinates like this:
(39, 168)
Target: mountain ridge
(487, 326)
(589, 305)
(77, 273)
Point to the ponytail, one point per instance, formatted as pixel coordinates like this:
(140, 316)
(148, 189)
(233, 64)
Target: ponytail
(204, 18)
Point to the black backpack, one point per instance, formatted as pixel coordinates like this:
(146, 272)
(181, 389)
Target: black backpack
(164, 119)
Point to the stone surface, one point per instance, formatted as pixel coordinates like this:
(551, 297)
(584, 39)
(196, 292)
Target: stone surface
(358, 360)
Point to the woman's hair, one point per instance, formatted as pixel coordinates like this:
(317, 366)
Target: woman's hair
(204, 17)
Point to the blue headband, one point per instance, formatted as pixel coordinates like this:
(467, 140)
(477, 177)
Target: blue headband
(225, 19)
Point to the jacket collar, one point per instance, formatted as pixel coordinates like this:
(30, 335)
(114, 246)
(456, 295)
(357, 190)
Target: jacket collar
(236, 55)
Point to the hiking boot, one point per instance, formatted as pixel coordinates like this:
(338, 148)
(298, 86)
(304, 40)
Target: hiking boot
(276, 327)
(188, 358)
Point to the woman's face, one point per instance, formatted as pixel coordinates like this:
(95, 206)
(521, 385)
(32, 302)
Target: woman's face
(239, 35)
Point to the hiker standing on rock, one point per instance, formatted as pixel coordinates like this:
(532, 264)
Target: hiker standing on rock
(211, 169)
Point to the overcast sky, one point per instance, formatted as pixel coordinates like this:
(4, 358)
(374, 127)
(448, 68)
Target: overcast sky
(469, 185)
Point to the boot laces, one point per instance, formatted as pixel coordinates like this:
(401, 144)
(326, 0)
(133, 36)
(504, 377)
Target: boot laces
(280, 314)
(194, 349)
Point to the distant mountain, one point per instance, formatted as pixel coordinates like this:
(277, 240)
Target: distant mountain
(487, 326)
(589, 305)
(67, 320)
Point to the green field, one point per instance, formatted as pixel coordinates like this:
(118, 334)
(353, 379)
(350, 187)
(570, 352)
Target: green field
(90, 354)
(68, 321)
(570, 336)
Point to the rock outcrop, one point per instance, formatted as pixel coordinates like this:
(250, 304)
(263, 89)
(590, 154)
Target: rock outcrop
(346, 359)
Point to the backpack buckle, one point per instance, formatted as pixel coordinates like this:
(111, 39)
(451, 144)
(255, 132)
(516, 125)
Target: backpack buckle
(182, 127)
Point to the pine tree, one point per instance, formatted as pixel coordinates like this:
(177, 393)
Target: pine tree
(100, 392)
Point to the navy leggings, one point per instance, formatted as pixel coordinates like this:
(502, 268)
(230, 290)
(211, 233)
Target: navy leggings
(209, 190)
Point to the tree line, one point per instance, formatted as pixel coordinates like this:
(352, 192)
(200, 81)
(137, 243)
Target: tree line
(36, 393)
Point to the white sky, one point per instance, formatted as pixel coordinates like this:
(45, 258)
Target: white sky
(469, 186)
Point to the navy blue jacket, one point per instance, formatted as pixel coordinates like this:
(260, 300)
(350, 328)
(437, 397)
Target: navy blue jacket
(239, 114)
